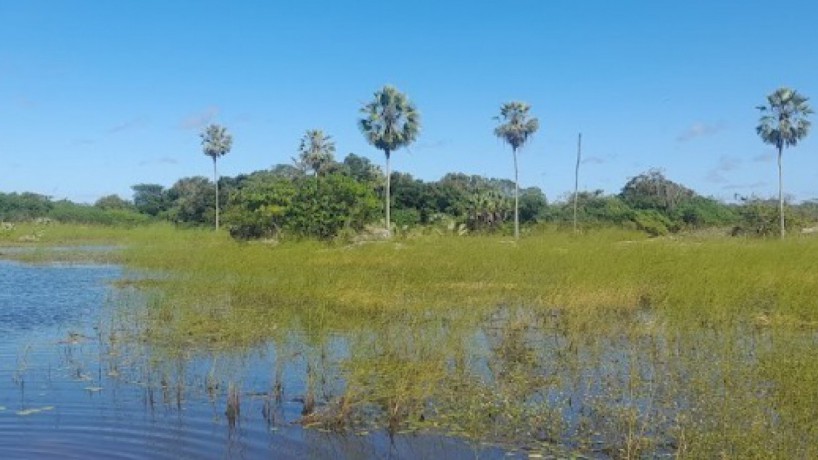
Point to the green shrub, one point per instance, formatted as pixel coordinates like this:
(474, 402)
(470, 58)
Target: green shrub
(316, 207)
(15, 207)
(321, 207)
(653, 222)
(701, 212)
(405, 218)
(68, 212)
(759, 217)
(258, 209)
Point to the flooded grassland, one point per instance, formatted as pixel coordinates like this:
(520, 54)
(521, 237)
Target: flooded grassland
(605, 345)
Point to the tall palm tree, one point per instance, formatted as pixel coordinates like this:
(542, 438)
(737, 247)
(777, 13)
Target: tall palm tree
(516, 128)
(783, 123)
(316, 151)
(390, 122)
(216, 142)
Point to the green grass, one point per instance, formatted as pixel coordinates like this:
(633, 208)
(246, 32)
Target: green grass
(606, 342)
(721, 280)
(58, 234)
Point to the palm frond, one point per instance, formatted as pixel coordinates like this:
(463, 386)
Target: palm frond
(216, 141)
(784, 119)
(515, 128)
(390, 121)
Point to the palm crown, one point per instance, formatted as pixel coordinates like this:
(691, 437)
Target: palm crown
(783, 122)
(516, 127)
(216, 141)
(390, 120)
(316, 150)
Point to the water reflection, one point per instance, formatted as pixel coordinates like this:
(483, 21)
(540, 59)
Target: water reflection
(92, 371)
(617, 384)
(78, 381)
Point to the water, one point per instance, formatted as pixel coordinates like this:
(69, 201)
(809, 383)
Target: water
(78, 379)
(69, 388)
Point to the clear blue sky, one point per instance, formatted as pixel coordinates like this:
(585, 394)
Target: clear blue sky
(96, 96)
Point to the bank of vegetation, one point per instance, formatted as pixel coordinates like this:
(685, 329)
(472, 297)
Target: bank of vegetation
(345, 200)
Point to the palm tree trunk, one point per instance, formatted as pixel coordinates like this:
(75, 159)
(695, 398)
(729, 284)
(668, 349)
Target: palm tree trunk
(516, 198)
(388, 184)
(576, 178)
(216, 180)
(780, 193)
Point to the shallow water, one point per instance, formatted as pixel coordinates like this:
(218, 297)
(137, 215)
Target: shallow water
(69, 388)
(88, 370)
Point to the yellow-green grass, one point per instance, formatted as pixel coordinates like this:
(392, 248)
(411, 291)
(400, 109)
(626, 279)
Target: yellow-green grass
(45, 242)
(55, 233)
(771, 283)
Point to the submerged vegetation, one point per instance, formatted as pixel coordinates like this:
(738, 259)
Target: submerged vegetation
(605, 343)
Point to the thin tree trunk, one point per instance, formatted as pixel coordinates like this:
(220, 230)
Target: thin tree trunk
(388, 186)
(516, 198)
(576, 178)
(216, 180)
(780, 193)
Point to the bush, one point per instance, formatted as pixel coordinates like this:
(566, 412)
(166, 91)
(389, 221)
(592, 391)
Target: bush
(652, 222)
(66, 211)
(761, 218)
(405, 218)
(258, 209)
(704, 212)
(323, 206)
(318, 207)
(23, 206)
(263, 222)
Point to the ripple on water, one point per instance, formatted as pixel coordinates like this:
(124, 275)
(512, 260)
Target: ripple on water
(47, 296)
(58, 397)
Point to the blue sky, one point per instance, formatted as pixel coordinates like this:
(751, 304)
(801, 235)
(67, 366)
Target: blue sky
(96, 96)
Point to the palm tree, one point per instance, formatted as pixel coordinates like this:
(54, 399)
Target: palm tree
(216, 142)
(783, 123)
(515, 129)
(390, 122)
(316, 151)
(487, 209)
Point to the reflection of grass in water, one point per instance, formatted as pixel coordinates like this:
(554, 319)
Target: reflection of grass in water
(615, 344)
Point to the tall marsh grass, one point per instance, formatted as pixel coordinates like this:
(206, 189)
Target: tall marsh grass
(591, 276)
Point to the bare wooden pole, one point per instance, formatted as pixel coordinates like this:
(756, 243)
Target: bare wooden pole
(576, 178)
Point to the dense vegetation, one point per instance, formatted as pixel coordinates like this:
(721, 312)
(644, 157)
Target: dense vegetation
(326, 199)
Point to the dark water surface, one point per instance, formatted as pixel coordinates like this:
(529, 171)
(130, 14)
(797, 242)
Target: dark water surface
(68, 390)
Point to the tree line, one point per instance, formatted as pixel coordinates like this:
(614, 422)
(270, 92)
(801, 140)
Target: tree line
(317, 196)
(330, 199)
